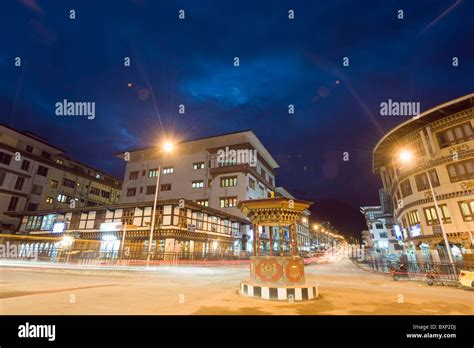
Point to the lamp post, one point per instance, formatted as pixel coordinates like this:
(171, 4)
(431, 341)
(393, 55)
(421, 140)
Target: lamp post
(405, 156)
(167, 148)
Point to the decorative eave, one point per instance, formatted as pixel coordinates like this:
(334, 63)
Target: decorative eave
(272, 211)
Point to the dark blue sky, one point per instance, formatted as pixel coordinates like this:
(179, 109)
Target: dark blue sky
(282, 62)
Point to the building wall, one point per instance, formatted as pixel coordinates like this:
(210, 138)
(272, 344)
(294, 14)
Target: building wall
(183, 174)
(433, 154)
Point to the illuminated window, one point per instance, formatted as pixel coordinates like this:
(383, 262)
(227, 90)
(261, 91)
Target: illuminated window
(168, 170)
(197, 184)
(432, 215)
(229, 181)
(227, 202)
(50, 200)
(198, 165)
(153, 173)
(203, 202)
(467, 210)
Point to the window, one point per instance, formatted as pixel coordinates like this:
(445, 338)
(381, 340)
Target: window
(5, 158)
(413, 217)
(50, 200)
(199, 221)
(59, 161)
(229, 181)
(43, 171)
(99, 218)
(378, 226)
(29, 148)
(461, 170)
(165, 187)
(131, 192)
(94, 191)
(252, 183)
(37, 189)
(105, 194)
(127, 216)
(168, 170)
(405, 187)
(75, 220)
(32, 207)
(150, 190)
(62, 198)
(432, 215)
(383, 235)
(19, 183)
(133, 175)
(197, 184)
(46, 155)
(2, 177)
(13, 203)
(25, 165)
(422, 180)
(261, 190)
(227, 202)
(69, 183)
(455, 135)
(467, 210)
(198, 165)
(153, 173)
(53, 184)
(203, 202)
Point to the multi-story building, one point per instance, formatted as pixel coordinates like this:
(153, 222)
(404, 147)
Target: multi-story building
(35, 175)
(216, 172)
(183, 228)
(432, 153)
(195, 171)
(382, 234)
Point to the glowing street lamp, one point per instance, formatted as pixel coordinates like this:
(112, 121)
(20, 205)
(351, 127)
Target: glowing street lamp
(406, 157)
(167, 147)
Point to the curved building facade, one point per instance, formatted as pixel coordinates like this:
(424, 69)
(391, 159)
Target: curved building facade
(428, 161)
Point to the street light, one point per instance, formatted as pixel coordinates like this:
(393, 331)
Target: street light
(168, 147)
(406, 157)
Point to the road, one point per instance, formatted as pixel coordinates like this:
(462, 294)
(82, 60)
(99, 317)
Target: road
(343, 289)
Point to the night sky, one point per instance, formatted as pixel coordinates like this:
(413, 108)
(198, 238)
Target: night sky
(191, 62)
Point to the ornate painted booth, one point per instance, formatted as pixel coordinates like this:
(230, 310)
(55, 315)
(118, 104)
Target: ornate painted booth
(280, 274)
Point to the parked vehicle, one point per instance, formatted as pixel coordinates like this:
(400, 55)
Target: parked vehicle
(466, 278)
(399, 273)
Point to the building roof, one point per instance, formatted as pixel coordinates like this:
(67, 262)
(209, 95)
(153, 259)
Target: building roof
(253, 138)
(384, 146)
(33, 136)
